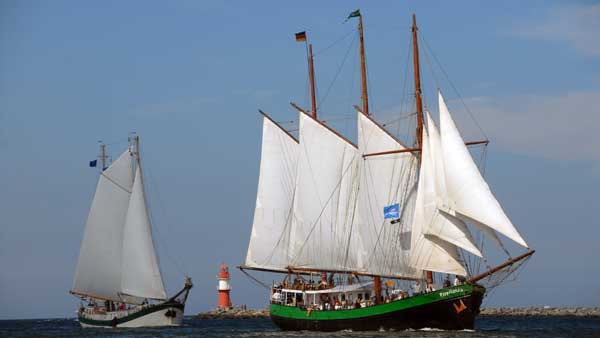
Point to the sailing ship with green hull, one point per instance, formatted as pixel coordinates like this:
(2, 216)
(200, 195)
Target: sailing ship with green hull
(375, 235)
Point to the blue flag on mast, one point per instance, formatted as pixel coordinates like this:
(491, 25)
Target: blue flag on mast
(391, 211)
(93, 163)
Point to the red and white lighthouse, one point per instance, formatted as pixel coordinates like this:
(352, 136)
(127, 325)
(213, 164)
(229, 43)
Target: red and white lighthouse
(224, 287)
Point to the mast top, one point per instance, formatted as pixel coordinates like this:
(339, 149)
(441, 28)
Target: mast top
(363, 62)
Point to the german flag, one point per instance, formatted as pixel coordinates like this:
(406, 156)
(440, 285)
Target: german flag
(301, 36)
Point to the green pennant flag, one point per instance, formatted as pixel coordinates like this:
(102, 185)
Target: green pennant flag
(354, 14)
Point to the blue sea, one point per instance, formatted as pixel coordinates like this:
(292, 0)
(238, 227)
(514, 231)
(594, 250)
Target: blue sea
(486, 327)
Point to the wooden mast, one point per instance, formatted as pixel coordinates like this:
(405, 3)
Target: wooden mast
(417, 72)
(103, 155)
(363, 67)
(311, 74)
(136, 141)
(418, 101)
(365, 110)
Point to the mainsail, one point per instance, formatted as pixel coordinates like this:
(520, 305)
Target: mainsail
(117, 260)
(268, 248)
(325, 199)
(384, 180)
(98, 270)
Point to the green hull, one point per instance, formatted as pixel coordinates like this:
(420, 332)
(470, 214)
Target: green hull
(439, 309)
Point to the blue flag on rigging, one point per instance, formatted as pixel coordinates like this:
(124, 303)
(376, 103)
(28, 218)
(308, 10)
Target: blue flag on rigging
(391, 211)
(93, 163)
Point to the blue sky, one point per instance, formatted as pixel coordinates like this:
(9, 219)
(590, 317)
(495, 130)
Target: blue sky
(188, 76)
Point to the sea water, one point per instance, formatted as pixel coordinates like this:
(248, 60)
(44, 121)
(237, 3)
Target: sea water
(491, 327)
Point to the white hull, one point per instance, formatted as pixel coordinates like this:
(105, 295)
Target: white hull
(156, 318)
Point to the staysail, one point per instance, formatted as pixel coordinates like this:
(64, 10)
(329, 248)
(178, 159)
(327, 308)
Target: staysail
(468, 195)
(429, 252)
(444, 226)
(325, 199)
(98, 271)
(269, 241)
(140, 271)
(384, 181)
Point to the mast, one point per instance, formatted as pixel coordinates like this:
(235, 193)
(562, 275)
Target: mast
(365, 110)
(418, 99)
(103, 155)
(311, 74)
(363, 67)
(301, 37)
(418, 102)
(136, 149)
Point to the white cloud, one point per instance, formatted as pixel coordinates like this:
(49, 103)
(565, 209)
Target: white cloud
(576, 24)
(563, 127)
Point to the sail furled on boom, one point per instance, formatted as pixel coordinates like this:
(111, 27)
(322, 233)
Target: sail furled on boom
(269, 241)
(98, 271)
(432, 252)
(384, 180)
(325, 199)
(141, 275)
(468, 195)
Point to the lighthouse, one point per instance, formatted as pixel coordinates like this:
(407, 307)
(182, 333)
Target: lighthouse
(224, 287)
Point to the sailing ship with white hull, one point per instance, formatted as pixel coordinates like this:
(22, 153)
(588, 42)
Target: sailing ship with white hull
(118, 277)
(348, 265)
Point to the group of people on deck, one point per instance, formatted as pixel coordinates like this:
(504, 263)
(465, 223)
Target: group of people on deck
(344, 301)
(107, 306)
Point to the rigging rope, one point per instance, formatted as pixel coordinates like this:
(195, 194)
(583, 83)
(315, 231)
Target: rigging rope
(339, 70)
(452, 84)
(256, 280)
(180, 268)
(321, 51)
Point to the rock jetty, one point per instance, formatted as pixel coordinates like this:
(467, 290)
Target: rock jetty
(542, 311)
(240, 312)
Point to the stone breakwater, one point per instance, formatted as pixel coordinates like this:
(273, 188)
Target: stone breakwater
(530, 311)
(234, 313)
(542, 311)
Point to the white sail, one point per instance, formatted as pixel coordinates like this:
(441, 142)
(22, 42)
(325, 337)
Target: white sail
(431, 252)
(444, 226)
(141, 275)
(384, 180)
(467, 192)
(98, 270)
(325, 199)
(274, 199)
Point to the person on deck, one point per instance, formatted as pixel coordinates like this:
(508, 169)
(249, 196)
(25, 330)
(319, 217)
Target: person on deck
(417, 288)
(447, 282)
